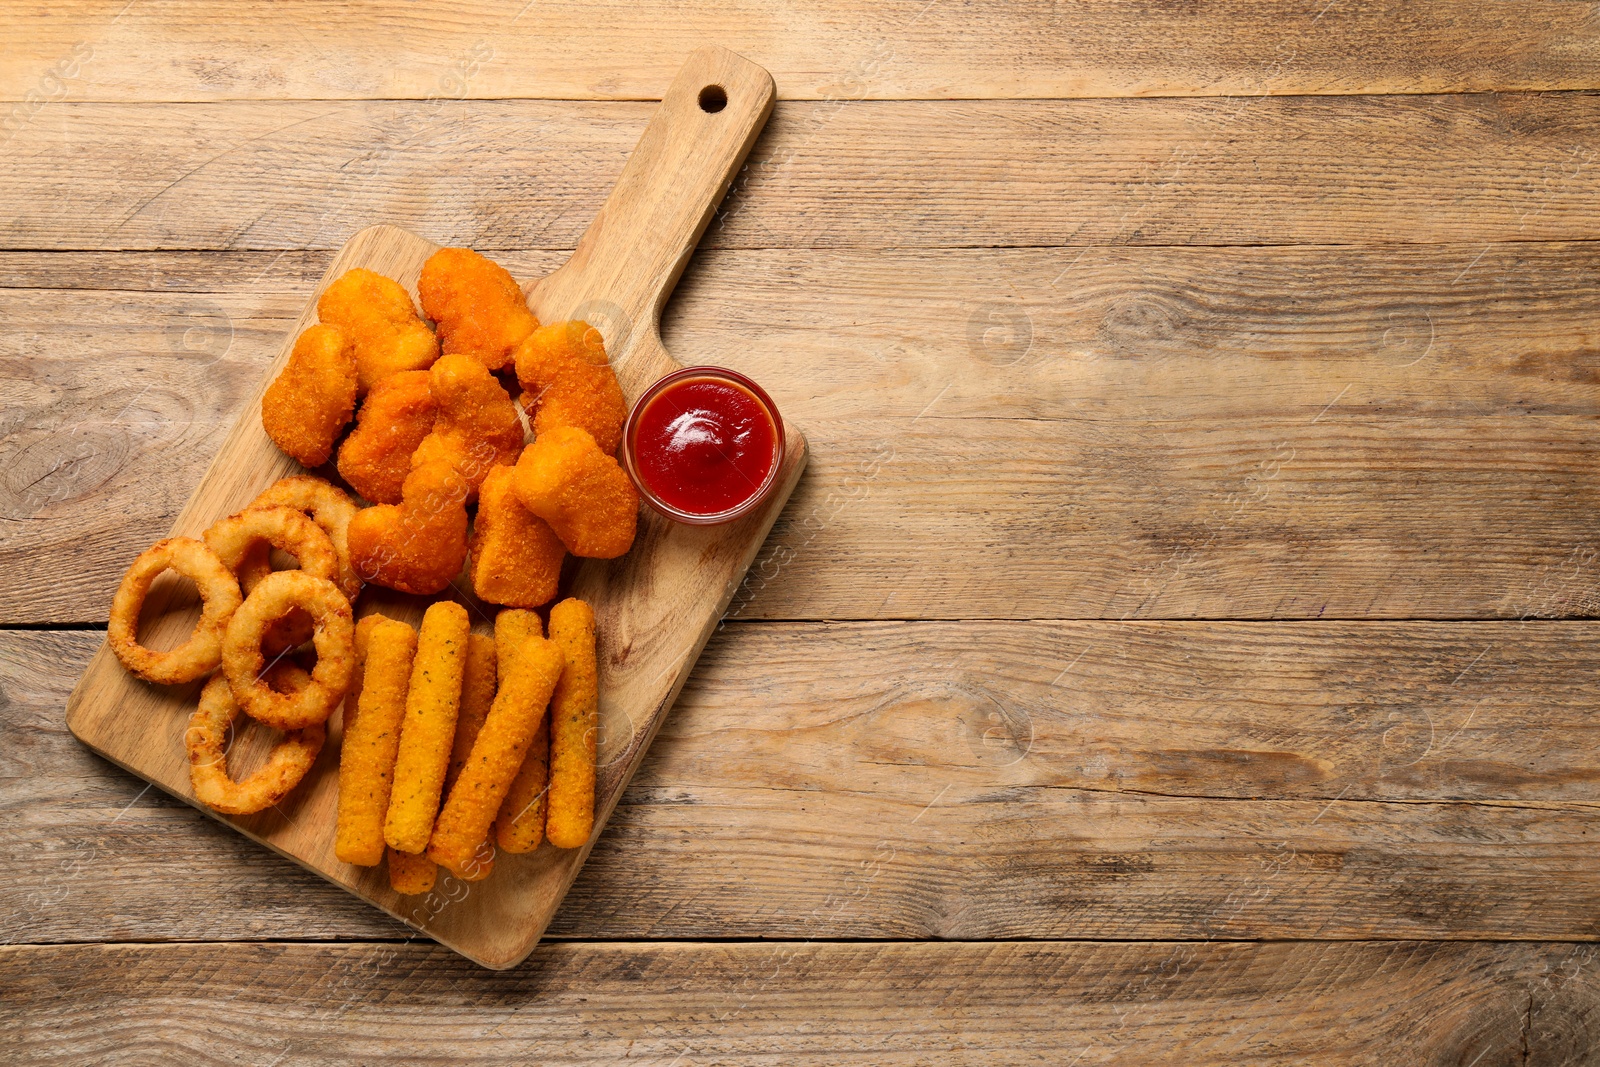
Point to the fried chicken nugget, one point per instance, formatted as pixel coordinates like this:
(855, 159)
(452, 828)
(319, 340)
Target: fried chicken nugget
(574, 726)
(478, 306)
(433, 701)
(520, 825)
(516, 557)
(583, 494)
(393, 420)
(463, 825)
(419, 545)
(477, 426)
(310, 402)
(567, 381)
(371, 741)
(381, 322)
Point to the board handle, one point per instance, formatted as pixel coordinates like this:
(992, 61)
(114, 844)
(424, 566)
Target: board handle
(633, 252)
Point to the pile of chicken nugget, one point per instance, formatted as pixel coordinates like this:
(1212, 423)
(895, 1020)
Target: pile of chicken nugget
(437, 429)
(455, 743)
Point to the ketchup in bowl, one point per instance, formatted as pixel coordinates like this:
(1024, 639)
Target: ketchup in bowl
(703, 445)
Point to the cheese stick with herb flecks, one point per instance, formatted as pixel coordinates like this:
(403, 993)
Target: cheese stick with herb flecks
(574, 727)
(463, 826)
(520, 824)
(432, 703)
(371, 739)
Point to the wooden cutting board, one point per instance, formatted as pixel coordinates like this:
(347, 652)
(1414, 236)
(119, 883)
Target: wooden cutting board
(655, 607)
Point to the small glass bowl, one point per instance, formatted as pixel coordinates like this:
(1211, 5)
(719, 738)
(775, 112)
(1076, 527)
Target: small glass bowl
(720, 374)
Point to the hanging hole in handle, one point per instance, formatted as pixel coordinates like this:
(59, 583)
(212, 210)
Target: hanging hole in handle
(713, 98)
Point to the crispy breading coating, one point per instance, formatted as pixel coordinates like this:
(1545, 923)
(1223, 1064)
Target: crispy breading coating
(279, 526)
(478, 306)
(583, 494)
(496, 756)
(512, 626)
(410, 875)
(311, 400)
(477, 694)
(567, 381)
(205, 740)
(219, 593)
(574, 726)
(477, 425)
(327, 505)
(244, 543)
(377, 315)
(393, 420)
(432, 702)
(516, 557)
(333, 636)
(372, 740)
(519, 827)
(419, 545)
(352, 697)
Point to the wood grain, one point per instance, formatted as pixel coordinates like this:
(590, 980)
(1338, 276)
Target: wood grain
(828, 50)
(654, 608)
(1337, 515)
(1339, 425)
(1052, 1003)
(527, 174)
(1086, 334)
(962, 780)
(117, 397)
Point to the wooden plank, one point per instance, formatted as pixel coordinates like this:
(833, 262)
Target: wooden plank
(806, 1003)
(525, 174)
(117, 399)
(1103, 333)
(106, 854)
(654, 608)
(962, 780)
(1339, 516)
(827, 50)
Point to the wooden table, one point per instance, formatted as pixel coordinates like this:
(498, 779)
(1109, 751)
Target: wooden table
(1180, 648)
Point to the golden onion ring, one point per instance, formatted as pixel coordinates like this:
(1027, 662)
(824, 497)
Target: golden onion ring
(334, 639)
(205, 738)
(219, 595)
(325, 504)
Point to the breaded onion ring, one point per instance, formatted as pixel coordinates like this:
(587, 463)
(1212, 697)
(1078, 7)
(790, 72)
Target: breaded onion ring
(234, 537)
(334, 639)
(219, 595)
(325, 504)
(244, 543)
(291, 757)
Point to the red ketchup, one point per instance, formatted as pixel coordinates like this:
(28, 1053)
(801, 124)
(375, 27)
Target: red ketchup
(703, 444)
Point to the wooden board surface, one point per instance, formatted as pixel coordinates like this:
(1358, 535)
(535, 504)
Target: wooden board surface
(654, 608)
